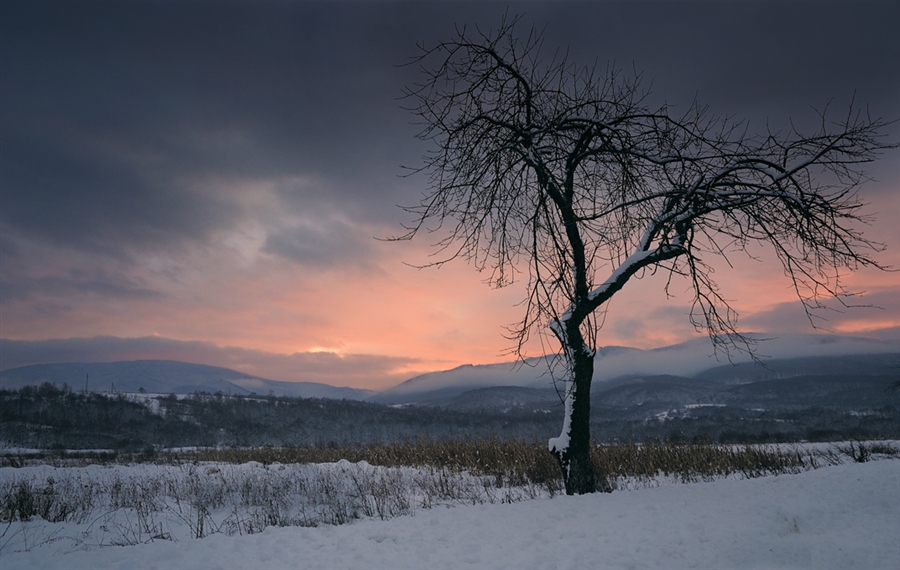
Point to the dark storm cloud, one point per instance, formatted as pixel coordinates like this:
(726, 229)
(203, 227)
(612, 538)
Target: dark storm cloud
(72, 282)
(325, 244)
(757, 59)
(139, 137)
(114, 114)
(77, 196)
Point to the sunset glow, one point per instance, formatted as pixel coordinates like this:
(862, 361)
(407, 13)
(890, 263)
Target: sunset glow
(218, 190)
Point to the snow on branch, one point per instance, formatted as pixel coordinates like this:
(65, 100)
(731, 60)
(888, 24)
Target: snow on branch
(558, 173)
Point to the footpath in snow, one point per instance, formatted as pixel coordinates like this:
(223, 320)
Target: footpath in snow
(846, 516)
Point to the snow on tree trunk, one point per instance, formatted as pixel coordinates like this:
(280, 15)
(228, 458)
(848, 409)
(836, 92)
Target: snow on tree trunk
(572, 449)
(564, 166)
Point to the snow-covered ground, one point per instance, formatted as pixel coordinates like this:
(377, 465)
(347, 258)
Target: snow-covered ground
(844, 516)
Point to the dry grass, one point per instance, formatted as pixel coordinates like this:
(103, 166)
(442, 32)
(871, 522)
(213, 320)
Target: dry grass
(192, 494)
(517, 462)
(694, 461)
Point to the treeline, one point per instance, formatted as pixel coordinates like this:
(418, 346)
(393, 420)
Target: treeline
(48, 418)
(737, 425)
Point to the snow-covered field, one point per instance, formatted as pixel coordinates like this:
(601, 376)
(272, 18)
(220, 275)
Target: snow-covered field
(843, 516)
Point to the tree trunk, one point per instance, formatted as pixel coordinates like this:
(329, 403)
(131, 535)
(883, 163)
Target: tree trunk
(572, 449)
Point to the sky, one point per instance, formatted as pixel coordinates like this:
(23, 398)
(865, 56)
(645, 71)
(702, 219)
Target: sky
(206, 181)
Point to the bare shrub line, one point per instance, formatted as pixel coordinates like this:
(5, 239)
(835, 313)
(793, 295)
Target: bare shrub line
(231, 491)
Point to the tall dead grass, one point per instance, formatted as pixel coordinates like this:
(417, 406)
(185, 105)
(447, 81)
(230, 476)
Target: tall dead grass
(243, 491)
(517, 462)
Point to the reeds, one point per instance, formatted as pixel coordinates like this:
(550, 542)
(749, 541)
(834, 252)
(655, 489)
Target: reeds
(194, 493)
(516, 462)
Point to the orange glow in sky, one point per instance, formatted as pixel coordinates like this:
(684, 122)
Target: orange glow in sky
(214, 196)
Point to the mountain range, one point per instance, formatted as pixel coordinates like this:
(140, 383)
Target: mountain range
(691, 367)
(801, 370)
(166, 377)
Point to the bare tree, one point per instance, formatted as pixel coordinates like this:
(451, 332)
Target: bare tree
(567, 176)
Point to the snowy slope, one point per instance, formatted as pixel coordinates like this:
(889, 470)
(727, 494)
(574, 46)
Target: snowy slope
(846, 516)
(613, 363)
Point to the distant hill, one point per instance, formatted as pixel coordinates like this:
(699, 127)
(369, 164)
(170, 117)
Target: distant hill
(165, 377)
(812, 388)
(803, 370)
(826, 382)
(797, 372)
(506, 399)
(438, 387)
